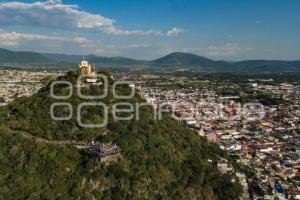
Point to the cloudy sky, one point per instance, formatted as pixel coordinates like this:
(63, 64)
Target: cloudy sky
(147, 29)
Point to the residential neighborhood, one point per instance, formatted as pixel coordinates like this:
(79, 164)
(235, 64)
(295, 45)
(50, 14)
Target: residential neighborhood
(18, 83)
(265, 138)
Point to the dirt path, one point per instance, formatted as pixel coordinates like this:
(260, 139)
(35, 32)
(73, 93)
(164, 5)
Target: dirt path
(100, 149)
(77, 144)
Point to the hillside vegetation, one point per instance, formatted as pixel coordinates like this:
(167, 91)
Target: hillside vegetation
(160, 159)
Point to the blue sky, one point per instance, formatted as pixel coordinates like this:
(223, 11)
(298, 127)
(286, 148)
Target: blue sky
(147, 29)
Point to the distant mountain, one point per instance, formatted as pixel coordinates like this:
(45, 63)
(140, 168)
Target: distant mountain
(183, 59)
(188, 60)
(173, 61)
(114, 60)
(192, 61)
(267, 66)
(11, 57)
(63, 57)
(8, 57)
(92, 58)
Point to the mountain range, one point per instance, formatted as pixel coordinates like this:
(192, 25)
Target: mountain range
(173, 61)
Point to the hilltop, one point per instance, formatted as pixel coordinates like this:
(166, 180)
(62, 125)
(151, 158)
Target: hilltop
(159, 159)
(190, 61)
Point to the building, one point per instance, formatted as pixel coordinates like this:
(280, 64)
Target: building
(87, 70)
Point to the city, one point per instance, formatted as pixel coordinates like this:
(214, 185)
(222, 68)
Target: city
(18, 83)
(150, 100)
(264, 145)
(268, 145)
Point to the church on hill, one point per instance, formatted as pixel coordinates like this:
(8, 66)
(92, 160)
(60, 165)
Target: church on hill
(88, 71)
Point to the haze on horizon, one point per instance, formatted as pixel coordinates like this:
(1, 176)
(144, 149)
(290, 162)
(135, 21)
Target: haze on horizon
(140, 29)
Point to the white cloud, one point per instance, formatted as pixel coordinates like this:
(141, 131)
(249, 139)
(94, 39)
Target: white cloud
(174, 32)
(51, 14)
(81, 40)
(115, 31)
(223, 51)
(228, 49)
(135, 50)
(81, 45)
(55, 14)
(13, 38)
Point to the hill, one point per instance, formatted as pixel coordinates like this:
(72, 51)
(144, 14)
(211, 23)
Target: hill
(21, 57)
(195, 62)
(188, 60)
(183, 59)
(99, 60)
(159, 159)
(173, 61)
(268, 66)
